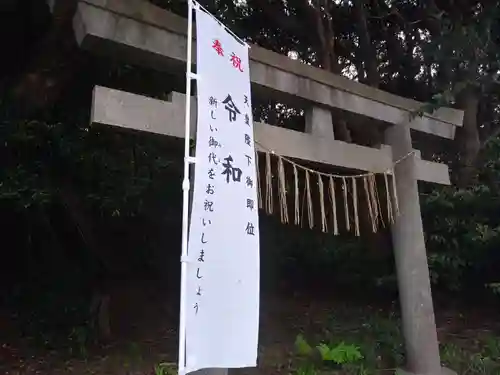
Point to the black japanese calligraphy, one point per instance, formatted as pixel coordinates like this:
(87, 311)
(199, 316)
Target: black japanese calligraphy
(212, 142)
(210, 189)
(212, 128)
(196, 307)
(212, 102)
(250, 204)
(249, 159)
(247, 120)
(198, 292)
(230, 171)
(231, 108)
(212, 158)
(212, 115)
(209, 206)
(211, 174)
(201, 257)
(198, 274)
(206, 222)
(249, 182)
(247, 140)
(203, 238)
(245, 100)
(250, 229)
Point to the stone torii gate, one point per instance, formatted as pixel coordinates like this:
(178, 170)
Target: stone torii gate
(139, 32)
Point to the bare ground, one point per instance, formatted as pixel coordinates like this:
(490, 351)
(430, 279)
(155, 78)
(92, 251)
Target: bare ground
(148, 336)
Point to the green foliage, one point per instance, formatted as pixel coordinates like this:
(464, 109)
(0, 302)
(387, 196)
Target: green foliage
(301, 346)
(306, 369)
(483, 361)
(165, 368)
(378, 336)
(340, 353)
(463, 229)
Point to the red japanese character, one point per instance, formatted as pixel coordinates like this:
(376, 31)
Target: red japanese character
(218, 47)
(236, 62)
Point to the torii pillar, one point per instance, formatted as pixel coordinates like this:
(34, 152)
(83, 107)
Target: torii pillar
(417, 310)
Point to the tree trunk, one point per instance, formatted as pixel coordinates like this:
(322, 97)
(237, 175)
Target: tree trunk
(365, 133)
(100, 313)
(99, 306)
(468, 140)
(341, 130)
(53, 62)
(366, 48)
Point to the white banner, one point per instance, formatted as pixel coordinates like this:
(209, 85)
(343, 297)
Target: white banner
(222, 301)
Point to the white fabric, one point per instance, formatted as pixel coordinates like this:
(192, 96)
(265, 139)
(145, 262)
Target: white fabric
(222, 323)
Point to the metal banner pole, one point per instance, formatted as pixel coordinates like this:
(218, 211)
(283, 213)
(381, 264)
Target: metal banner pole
(185, 197)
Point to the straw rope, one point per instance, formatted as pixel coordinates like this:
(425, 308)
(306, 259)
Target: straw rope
(312, 189)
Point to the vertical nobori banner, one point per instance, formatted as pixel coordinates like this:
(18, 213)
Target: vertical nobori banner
(222, 298)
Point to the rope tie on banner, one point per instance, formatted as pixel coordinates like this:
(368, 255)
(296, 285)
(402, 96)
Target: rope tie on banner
(312, 189)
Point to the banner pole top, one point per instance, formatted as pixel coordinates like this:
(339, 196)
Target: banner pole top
(197, 6)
